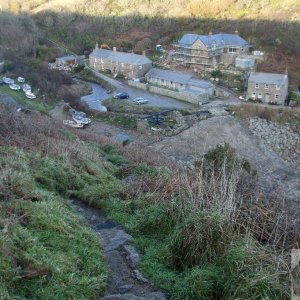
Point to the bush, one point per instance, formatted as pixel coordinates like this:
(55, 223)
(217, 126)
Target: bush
(200, 239)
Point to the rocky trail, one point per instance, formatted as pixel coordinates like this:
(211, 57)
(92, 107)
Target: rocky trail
(126, 282)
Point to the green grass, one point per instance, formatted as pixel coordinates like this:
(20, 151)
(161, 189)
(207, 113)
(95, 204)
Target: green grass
(46, 249)
(120, 119)
(20, 97)
(48, 252)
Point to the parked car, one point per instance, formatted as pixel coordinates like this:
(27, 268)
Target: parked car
(140, 100)
(121, 95)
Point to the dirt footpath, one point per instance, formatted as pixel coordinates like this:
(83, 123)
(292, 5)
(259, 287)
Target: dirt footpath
(276, 175)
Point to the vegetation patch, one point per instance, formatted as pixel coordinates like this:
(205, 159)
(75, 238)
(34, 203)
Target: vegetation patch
(46, 250)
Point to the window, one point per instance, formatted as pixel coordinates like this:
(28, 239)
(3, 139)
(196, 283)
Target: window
(277, 87)
(259, 96)
(256, 85)
(140, 67)
(276, 96)
(231, 50)
(253, 95)
(266, 86)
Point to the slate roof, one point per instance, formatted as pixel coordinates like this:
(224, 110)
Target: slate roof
(123, 57)
(169, 75)
(220, 40)
(267, 78)
(67, 57)
(177, 77)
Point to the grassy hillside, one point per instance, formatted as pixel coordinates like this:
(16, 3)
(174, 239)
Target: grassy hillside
(266, 9)
(204, 233)
(270, 25)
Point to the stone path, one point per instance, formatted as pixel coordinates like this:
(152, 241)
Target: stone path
(126, 282)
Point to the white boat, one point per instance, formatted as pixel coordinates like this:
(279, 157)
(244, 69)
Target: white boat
(8, 80)
(73, 123)
(21, 79)
(14, 87)
(26, 88)
(85, 121)
(30, 95)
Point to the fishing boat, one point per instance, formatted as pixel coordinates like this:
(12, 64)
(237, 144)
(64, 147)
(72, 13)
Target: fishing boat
(14, 87)
(8, 80)
(26, 88)
(73, 123)
(30, 95)
(21, 79)
(85, 121)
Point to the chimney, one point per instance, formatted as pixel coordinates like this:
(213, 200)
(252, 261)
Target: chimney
(144, 53)
(236, 32)
(286, 71)
(97, 46)
(114, 49)
(210, 32)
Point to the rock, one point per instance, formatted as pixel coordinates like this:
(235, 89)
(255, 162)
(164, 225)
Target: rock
(118, 240)
(128, 296)
(132, 256)
(297, 151)
(125, 288)
(139, 276)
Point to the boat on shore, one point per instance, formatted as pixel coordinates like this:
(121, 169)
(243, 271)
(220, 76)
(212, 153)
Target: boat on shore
(73, 123)
(26, 88)
(14, 87)
(85, 121)
(30, 95)
(21, 79)
(8, 80)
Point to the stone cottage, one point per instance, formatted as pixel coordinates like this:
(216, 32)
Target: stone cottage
(129, 65)
(179, 86)
(209, 51)
(268, 87)
(68, 60)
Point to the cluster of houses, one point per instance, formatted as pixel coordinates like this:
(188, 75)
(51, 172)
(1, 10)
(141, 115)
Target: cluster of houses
(198, 52)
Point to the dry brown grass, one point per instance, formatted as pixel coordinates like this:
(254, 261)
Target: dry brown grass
(274, 114)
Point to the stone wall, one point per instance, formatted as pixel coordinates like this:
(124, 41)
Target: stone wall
(180, 95)
(184, 96)
(284, 139)
(139, 85)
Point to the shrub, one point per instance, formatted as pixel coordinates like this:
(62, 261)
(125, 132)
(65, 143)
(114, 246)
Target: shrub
(200, 239)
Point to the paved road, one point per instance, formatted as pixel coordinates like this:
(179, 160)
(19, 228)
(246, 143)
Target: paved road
(155, 100)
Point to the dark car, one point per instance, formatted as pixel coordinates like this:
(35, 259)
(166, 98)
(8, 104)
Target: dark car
(122, 95)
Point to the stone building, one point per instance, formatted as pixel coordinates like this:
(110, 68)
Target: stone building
(68, 60)
(268, 87)
(179, 81)
(209, 51)
(129, 65)
(178, 85)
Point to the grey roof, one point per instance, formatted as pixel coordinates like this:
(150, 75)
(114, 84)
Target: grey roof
(67, 57)
(220, 40)
(169, 75)
(123, 57)
(177, 77)
(267, 78)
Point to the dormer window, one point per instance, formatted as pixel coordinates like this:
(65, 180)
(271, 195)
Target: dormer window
(266, 86)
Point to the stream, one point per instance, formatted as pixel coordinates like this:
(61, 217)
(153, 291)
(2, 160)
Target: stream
(126, 282)
(95, 99)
